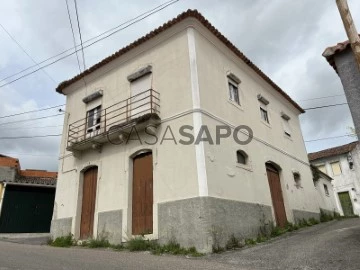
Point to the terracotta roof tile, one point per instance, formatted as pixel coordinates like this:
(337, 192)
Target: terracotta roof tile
(9, 162)
(190, 13)
(343, 149)
(38, 174)
(330, 52)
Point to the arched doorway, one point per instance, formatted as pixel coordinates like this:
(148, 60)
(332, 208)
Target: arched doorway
(88, 203)
(276, 194)
(142, 197)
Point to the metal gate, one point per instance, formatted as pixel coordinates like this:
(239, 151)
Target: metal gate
(346, 204)
(26, 209)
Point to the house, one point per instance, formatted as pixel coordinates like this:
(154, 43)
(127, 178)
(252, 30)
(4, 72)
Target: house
(342, 59)
(26, 198)
(179, 135)
(326, 194)
(342, 163)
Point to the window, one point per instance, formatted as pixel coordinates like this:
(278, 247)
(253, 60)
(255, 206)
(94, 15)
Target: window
(297, 179)
(93, 119)
(326, 190)
(287, 130)
(336, 169)
(322, 168)
(234, 91)
(264, 115)
(241, 157)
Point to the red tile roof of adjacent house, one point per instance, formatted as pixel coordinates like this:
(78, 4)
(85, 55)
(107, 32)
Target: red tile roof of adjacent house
(187, 14)
(6, 161)
(343, 149)
(38, 173)
(330, 52)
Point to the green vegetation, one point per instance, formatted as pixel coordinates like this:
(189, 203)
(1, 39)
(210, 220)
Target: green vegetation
(233, 243)
(138, 243)
(64, 241)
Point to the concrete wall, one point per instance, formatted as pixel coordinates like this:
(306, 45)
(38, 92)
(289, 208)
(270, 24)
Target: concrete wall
(348, 180)
(326, 201)
(227, 179)
(7, 174)
(350, 78)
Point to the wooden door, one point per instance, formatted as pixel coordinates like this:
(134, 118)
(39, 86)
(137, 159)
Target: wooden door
(142, 200)
(88, 203)
(346, 204)
(276, 195)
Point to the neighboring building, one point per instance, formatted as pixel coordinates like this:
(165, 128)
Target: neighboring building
(342, 163)
(184, 76)
(326, 195)
(26, 198)
(342, 59)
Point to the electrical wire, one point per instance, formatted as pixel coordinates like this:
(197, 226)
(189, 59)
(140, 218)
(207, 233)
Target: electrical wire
(28, 55)
(129, 23)
(39, 110)
(30, 137)
(31, 119)
(325, 106)
(321, 97)
(79, 29)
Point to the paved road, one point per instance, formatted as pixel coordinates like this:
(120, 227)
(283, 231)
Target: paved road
(334, 245)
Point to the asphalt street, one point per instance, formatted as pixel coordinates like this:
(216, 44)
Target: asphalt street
(333, 245)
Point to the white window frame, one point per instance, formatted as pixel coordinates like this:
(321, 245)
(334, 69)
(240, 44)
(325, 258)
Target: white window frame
(332, 170)
(93, 129)
(287, 128)
(233, 86)
(264, 108)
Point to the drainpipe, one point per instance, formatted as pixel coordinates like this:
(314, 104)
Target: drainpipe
(2, 195)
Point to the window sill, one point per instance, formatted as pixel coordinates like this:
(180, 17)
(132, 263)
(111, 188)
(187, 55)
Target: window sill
(244, 167)
(265, 123)
(288, 137)
(238, 106)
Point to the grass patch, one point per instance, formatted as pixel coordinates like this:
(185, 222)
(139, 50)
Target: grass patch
(63, 241)
(233, 243)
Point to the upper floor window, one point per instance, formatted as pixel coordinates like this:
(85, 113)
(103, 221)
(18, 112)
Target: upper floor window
(241, 157)
(336, 169)
(286, 124)
(234, 91)
(326, 189)
(264, 115)
(322, 168)
(93, 119)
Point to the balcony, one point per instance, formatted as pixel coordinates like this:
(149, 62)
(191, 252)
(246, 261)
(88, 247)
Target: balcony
(114, 122)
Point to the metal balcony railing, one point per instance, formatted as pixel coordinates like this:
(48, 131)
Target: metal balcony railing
(121, 113)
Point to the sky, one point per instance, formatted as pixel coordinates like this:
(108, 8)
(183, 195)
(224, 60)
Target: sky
(284, 38)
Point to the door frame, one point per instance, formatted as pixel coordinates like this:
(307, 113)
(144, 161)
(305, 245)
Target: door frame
(80, 199)
(289, 216)
(130, 166)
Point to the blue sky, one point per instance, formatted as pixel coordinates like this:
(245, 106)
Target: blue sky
(284, 38)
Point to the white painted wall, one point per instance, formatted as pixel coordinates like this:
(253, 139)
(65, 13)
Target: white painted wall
(225, 178)
(327, 202)
(348, 180)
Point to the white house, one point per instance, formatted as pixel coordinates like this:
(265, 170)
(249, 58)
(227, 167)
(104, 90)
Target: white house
(181, 80)
(325, 191)
(342, 163)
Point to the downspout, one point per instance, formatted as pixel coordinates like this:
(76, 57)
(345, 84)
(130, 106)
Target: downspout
(2, 195)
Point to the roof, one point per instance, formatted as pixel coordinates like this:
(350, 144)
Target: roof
(187, 14)
(6, 161)
(315, 170)
(38, 174)
(331, 51)
(339, 150)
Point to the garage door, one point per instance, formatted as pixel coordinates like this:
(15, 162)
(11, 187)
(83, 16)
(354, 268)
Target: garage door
(26, 209)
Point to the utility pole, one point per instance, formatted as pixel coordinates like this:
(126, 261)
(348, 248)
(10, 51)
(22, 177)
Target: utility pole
(350, 28)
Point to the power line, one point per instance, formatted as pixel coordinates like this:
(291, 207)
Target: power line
(325, 106)
(129, 23)
(22, 48)
(73, 34)
(79, 29)
(30, 137)
(31, 119)
(30, 127)
(27, 154)
(329, 138)
(39, 110)
(321, 97)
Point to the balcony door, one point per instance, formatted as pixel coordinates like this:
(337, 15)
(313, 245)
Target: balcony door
(140, 96)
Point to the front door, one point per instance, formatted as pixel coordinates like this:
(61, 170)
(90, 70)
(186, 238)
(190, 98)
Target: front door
(142, 200)
(88, 203)
(346, 204)
(276, 195)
